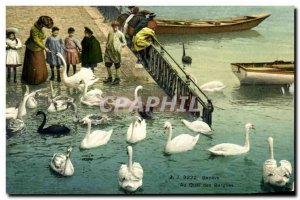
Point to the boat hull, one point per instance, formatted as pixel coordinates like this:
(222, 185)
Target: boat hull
(262, 77)
(166, 28)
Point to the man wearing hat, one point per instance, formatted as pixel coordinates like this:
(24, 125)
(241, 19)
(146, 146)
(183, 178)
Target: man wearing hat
(147, 22)
(115, 41)
(34, 67)
(91, 50)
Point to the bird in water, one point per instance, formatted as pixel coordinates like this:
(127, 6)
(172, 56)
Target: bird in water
(186, 60)
(55, 129)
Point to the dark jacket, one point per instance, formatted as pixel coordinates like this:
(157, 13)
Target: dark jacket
(91, 51)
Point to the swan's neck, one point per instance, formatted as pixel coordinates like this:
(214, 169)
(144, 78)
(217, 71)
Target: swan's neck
(65, 76)
(19, 114)
(68, 163)
(130, 160)
(89, 124)
(170, 134)
(136, 94)
(271, 150)
(183, 49)
(43, 123)
(23, 104)
(51, 90)
(247, 142)
(85, 89)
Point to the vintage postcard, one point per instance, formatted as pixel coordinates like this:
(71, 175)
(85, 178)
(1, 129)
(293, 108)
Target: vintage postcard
(150, 100)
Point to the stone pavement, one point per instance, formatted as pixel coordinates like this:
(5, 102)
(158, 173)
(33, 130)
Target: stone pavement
(23, 17)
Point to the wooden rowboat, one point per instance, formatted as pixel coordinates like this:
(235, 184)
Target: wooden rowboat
(208, 26)
(267, 73)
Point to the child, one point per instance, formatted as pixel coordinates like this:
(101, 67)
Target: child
(72, 48)
(115, 42)
(55, 45)
(12, 56)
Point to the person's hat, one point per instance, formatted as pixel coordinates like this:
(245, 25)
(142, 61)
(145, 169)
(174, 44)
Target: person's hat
(45, 21)
(115, 23)
(88, 30)
(146, 12)
(130, 7)
(151, 15)
(12, 30)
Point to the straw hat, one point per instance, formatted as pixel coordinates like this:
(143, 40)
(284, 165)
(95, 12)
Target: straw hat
(12, 30)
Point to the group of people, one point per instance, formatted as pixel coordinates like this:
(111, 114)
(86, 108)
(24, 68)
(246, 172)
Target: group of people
(124, 32)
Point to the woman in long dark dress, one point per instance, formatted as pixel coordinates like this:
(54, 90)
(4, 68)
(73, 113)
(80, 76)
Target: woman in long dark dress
(34, 66)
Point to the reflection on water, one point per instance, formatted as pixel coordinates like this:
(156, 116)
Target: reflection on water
(169, 39)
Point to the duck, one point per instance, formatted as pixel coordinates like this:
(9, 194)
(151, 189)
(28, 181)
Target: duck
(96, 138)
(59, 103)
(96, 119)
(276, 175)
(212, 86)
(180, 143)
(136, 130)
(185, 59)
(74, 81)
(12, 112)
(198, 126)
(62, 164)
(228, 149)
(15, 125)
(92, 97)
(130, 176)
(55, 129)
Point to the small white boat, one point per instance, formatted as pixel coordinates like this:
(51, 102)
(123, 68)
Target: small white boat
(267, 73)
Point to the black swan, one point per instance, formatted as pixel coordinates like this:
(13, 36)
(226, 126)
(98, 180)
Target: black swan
(185, 59)
(53, 129)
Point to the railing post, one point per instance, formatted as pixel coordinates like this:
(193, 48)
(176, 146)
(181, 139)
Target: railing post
(207, 112)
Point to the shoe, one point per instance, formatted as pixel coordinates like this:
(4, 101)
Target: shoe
(108, 80)
(116, 81)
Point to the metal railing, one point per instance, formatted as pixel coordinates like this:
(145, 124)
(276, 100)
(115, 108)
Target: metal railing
(171, 77)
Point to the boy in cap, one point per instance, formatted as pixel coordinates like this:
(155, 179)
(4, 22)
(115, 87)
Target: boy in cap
(115, 41)
(91, 50)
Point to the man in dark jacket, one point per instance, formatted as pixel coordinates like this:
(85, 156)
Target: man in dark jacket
(91, 50)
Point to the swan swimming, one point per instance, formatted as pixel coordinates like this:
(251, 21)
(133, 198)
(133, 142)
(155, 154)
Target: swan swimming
(185, 59)
(180, 143)
(273, 174)
(31, 101)
(15, 125)
(198, 126)
(130, 176)
(136, 131)
(62, 164)
(59, 103)
(92, 97)
(96, 138)
(212, 86)
(53, 129)
(228, 149)
(95, 118)
(12, 112)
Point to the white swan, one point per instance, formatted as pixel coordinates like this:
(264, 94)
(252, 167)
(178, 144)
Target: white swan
(180, 143)
(12, 112)
(125, 102)
(31, 101)
(212, 86)
(130, 175)
(198, 126)
(62, 164)
(273, 175)
(15, 125)
(96, 138)
(85, 74)
(59, 103)
(136, 131)
(95, 118)
(228, 149)
(92, 97)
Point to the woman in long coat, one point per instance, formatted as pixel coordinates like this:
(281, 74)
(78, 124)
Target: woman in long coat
(34, 66)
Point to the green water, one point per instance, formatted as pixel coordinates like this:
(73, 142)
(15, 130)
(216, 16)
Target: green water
(272, 113)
